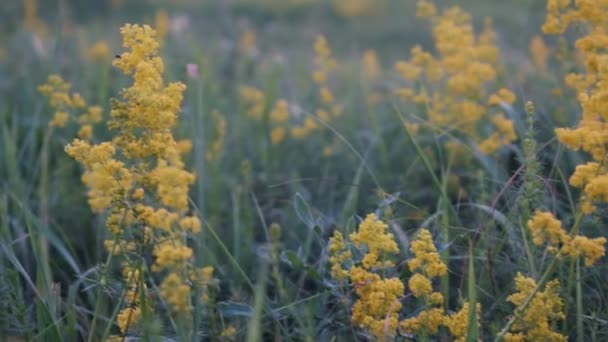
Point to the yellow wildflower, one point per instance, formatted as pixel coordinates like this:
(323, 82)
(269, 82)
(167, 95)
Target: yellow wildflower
(455, 85)
(138, 177)
(425, 9)
(427, 322)
(426, 257)
(247, 43)
(99, 51)
(161, 20)
(536, 321)
(254, 100)
(371, 65)
(277, 135)
(338, 255)
(373, 234)
(539, 52)
(590, 249)
(420, 285)
(228, 333)
(357, 8)
(190, 223)
(170, 255)
(544, 226)
(280, 112)
(377, 308)
(204, 280)
(503, 95)
(299, 132)
(128, 317)
(458, 322)
(429, 265)
(60, 119)
(176, 293)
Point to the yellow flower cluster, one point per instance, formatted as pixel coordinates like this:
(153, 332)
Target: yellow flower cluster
(229, 333)
(590, 135)
(379, 297)
(546, 228)
(378, 304)
(131, 314)
(371, 65)
(338, 255)
(176, 292)
(161, 22)
(372, 71)
(458, 322)
(359, 8)
(254, 101)
(170, 255)
(279, 116)
(426, 322)
(99, 51)
(324, 62)
(429, 265)
(69, 105)
(459, 85)
(539, 53)
(139, 178)
(327, 108)
(372, 234)
(127, 318)
(536, 322)
(31, 20)
(426, 257)
(247, 43)
(106, 177)
(203, 278)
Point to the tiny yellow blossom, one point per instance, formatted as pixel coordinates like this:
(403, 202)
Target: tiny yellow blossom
(176, 293)
(99, 51)
(373, 233)
(427, 322)
(426, 256)
(228, 333)
(377, 308)
(546, 306)
(545, 227)
(458, 322)
(338, 255)
(128, 317)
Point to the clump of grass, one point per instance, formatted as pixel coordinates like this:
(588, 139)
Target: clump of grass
(263, 166)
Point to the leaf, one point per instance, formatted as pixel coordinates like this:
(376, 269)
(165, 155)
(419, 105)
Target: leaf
(303, 210)
(293, 260)
(473, 331)
(231, 309)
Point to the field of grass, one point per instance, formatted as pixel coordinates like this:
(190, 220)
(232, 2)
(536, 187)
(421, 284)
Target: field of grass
(332, 170)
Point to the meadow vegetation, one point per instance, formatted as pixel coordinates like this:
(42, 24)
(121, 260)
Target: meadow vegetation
(337, 170)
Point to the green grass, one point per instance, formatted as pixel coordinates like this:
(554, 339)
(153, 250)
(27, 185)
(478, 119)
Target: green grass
(57, 282)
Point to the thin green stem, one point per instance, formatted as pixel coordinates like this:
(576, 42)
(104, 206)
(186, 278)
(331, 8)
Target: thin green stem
(579, 303)
(528, 249)
(103, 281)
(522, 308)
